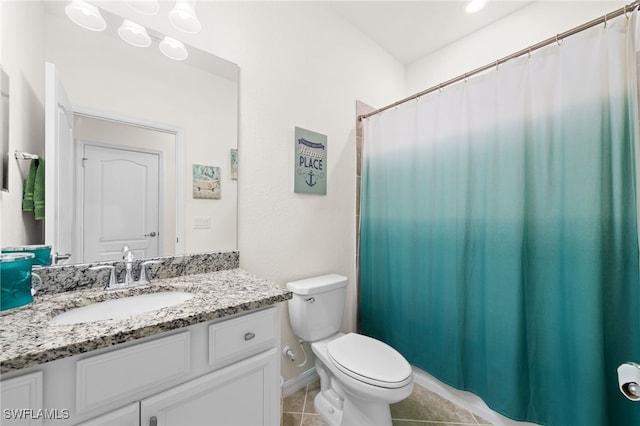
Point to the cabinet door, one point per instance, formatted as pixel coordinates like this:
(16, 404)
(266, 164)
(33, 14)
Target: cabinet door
(125, 416)
(21, 400)
(244, 393)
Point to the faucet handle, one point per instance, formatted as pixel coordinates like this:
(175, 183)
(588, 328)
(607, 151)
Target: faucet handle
(143, 270)
(112, 276)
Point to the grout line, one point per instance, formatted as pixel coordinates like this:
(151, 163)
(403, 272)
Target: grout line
(304, 404)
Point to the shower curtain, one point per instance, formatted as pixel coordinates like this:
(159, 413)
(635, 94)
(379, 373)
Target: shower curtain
(499, 238)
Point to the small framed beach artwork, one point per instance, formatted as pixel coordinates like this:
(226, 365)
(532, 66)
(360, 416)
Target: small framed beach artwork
(206, 182)
(234, 164)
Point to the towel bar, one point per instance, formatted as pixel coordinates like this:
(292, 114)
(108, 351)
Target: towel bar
(20, 155)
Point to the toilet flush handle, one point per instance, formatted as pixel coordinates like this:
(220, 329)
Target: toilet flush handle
(310, 299)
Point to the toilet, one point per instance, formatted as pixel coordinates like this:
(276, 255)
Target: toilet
(359, 376)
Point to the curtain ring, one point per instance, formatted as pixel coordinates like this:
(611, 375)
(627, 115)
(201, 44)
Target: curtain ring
(440, 88)
(625, 11)
(529, 53)
(497, 64)
(466, 78)
(558, 41)
(605, 20)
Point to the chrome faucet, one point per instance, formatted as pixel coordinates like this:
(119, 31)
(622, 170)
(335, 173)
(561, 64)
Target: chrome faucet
(128, 257)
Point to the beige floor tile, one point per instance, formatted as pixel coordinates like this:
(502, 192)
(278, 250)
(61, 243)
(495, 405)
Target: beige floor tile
(313, 420)
(423, 404)
(291, 419)
(308, 405)
(294, 403)
(314, 385)
(422, 408)
(481, 421)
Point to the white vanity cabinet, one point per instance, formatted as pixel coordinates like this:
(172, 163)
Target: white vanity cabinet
(223, 372)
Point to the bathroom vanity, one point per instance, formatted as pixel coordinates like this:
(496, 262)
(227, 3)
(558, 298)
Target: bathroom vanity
(212, 359)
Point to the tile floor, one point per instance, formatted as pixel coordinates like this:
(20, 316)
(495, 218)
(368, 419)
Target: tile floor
(422, 408)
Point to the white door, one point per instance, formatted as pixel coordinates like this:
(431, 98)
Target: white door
(245, 393)
(120, 202)
(59, 170)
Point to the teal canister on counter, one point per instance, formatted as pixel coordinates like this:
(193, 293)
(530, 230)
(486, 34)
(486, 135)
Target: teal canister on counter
(15, 279)
(42, 253)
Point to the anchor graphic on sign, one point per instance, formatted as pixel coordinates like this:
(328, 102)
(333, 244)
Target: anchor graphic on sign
(310, 181)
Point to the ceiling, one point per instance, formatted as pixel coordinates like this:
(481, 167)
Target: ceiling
(410, 30)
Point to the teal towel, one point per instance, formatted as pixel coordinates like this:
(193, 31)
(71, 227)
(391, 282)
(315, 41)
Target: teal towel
(27, 195)
(38, 191)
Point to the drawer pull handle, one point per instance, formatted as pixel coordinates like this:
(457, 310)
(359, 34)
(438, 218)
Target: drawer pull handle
(249, 336)
(153, 421)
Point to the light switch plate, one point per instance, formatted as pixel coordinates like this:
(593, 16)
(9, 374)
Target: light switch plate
(201, 222)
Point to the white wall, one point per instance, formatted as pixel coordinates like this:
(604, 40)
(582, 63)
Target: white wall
(300, 66)
(534, 23)
(23, 62)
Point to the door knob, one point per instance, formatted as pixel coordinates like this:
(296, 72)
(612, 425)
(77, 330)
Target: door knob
(151, 234)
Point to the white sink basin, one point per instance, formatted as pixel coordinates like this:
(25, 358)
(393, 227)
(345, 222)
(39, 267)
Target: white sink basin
(121, 308)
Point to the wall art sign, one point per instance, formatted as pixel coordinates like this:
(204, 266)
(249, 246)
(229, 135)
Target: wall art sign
(311, 162)
(234, 164)
(206, 182)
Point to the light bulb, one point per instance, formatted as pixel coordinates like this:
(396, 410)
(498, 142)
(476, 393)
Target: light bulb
(173, 49)
(146, 7)
(86, 15)
(183, 17)
(134, 34)
(475, 6)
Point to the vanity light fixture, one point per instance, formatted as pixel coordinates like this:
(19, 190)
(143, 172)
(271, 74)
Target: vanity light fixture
(86, 15)
(134, 34)
(173, 49)
(475, 6)
(146, 7)
(183, 17)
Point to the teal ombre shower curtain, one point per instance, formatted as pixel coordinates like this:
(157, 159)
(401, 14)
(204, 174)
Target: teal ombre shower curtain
(499, 238)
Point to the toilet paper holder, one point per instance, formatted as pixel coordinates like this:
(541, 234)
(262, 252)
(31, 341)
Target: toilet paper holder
(629, 380)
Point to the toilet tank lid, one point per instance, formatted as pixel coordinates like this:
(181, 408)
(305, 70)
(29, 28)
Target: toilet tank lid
(316, 285)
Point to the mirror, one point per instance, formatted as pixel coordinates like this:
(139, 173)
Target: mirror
(118, 92)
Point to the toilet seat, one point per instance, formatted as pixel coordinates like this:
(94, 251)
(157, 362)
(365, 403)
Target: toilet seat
(370, 361)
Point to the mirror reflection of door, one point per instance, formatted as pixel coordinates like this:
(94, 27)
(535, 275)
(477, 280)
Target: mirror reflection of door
(130, 140)
(120, 202)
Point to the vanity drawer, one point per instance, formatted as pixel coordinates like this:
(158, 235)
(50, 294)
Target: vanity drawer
(242, 337)
(121, 374)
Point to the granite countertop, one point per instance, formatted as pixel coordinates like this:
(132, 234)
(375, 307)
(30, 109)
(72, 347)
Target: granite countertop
(27, 338)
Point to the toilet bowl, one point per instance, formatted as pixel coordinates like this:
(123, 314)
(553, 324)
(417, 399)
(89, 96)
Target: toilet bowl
(359, 376)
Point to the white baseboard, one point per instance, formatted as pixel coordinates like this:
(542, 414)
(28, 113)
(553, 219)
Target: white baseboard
(464, 399)
(291, 386)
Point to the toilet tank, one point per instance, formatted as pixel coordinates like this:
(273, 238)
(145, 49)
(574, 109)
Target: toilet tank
(316, 309)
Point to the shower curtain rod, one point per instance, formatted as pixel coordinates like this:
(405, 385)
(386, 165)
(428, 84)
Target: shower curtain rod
(557, 39)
